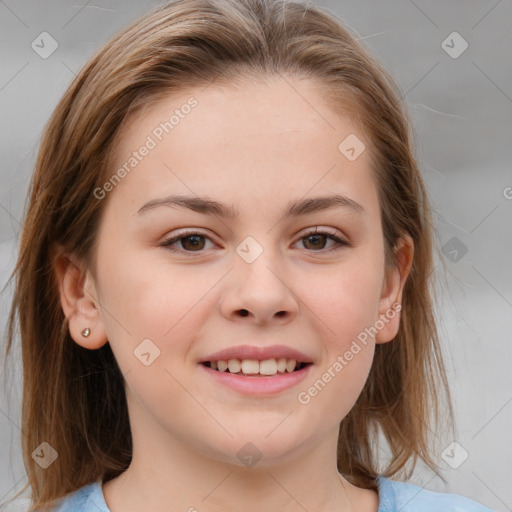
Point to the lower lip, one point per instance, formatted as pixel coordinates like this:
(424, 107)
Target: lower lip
(266, 385)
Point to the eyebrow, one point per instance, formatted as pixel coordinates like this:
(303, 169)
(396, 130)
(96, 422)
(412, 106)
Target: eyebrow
(295, 208)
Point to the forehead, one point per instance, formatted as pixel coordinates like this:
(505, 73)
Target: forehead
(274, 137)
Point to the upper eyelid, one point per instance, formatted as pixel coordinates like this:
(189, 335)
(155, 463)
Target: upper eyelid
(304, 232)
(190, 232)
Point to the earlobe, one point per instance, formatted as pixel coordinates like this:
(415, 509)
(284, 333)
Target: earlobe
(390, 303)
(79, 303)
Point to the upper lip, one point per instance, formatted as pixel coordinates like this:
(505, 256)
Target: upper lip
(258, 352)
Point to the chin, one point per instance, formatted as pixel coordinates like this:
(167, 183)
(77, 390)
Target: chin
(255, 448)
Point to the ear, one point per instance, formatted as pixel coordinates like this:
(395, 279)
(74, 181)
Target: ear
(79, 301)
(392, 289)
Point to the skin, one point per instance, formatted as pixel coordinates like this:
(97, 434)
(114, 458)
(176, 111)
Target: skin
(254, 147)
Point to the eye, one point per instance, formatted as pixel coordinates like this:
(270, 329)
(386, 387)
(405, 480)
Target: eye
(194, 241)
(190, 241)
(317, 239)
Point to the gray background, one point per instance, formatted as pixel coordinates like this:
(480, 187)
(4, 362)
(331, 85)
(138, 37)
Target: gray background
(462, 112)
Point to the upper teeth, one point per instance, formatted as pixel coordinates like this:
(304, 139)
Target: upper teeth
(253, 366)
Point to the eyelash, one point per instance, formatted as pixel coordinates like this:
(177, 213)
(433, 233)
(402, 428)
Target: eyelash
(340, 243)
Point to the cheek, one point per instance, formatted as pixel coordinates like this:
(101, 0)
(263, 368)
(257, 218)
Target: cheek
(149, 299)
(163, 304)
(346, 297)
(345, 304)
(346, 309)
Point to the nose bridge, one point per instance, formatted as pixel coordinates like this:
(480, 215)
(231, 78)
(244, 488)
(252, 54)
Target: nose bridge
(258, 285)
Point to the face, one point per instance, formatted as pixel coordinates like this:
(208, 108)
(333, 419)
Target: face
(176, 282)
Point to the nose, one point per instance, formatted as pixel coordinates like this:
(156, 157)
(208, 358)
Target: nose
(259, 292)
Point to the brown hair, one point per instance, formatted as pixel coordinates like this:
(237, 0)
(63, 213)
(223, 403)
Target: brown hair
(180, 45)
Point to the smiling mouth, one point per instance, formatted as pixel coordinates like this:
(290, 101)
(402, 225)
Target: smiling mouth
(255, 368)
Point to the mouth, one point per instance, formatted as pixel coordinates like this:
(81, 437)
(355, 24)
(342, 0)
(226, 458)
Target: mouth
(254, 377)
(257, 368)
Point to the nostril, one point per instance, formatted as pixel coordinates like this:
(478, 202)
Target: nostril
(244, 312)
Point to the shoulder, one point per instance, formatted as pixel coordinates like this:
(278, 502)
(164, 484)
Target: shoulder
(86, 499)
(405, 497)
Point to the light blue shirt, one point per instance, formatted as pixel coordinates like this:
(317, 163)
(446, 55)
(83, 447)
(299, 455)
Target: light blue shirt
(393, 497)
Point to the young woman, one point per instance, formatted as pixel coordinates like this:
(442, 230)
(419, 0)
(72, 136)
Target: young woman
(224, 287)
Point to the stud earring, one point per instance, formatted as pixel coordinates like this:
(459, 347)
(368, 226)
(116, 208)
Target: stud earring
(85, 333)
